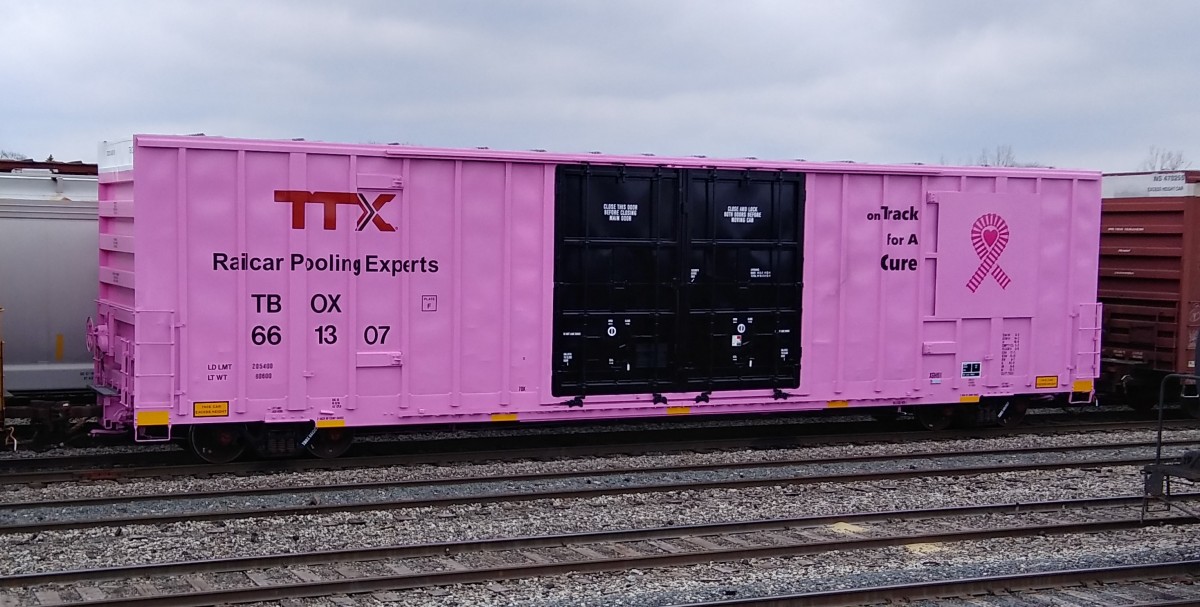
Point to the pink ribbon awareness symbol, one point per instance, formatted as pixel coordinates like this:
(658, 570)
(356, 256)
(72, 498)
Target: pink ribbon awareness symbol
(989, 236)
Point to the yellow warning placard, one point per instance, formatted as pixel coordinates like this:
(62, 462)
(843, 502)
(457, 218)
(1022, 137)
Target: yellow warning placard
(1046, 381)
(219, 408)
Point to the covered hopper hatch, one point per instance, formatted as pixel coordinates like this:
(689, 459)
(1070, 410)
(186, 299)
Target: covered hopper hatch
(676, 280)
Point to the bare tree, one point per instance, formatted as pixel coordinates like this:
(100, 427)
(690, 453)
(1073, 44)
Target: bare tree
(1165, 160)
(7, 155)
(1002, 156)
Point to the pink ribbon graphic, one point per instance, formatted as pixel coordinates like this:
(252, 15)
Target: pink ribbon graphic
(989, 236)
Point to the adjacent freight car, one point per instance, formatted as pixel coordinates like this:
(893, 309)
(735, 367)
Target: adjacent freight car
(47, 273)
(275, 295)
(1149, 283)
(48, 287)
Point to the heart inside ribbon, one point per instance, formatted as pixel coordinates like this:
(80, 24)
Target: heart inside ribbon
(990, 235)
(989, 238)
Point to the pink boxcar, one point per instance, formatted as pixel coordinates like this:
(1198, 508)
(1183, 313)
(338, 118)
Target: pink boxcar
(324, 286)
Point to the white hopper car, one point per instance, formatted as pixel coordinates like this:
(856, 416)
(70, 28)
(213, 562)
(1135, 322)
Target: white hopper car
(48, 266)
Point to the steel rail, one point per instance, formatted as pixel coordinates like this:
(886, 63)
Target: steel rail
(31, 471)
(517, 543)
(405, 581)
(785, 431)
(535, 495)
(599, 472)
(982, 585)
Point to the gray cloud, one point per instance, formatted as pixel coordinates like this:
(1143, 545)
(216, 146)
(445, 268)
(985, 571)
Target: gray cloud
(1072, 83)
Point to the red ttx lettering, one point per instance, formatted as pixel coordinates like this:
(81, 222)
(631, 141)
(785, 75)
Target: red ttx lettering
(330, 201)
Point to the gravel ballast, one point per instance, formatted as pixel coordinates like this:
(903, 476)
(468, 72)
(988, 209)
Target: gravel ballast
(198, 540)
(579, 480)
(85, 548)
(829, 571)
(149, 486)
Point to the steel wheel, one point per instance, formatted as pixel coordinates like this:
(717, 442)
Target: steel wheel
(934, 417)
(329, 443)
(218, 443)
(1011, 412)
(1191, 406)
(885, 415)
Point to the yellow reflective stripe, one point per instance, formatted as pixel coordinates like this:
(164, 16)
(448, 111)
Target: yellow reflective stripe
(968, 398)
(504, 417)
(331, 423)
(838, 404)
(161, 417)
(678, 410)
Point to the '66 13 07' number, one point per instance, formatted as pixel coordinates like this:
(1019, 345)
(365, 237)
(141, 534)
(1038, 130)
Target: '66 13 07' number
(376, 334)
(261, 335)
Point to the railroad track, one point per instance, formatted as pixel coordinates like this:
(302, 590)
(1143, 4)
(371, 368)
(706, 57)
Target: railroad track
(397, 568)
(16, 472)
(1178, 580)
(21, 517)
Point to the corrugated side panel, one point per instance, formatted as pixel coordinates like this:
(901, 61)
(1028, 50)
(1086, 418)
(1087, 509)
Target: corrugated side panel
(372, 285)
(343, 287)
(946, 288)
(115, 320)
(1151, 304)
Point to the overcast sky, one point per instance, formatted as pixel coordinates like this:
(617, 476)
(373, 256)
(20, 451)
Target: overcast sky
(1081, 84)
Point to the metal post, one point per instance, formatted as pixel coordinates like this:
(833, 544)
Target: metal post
(1, 369)
(1162, 398)
(1162, 404)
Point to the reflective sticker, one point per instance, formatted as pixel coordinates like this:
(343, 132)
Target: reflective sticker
(504, 417)
(331, 423)
(218, 408)
(968, 398)
(678, 410)
(161, 417)
(1082, 385)
(838, 404)
(1046, 381)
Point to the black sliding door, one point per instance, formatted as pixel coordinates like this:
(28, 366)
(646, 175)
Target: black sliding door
(669, 280)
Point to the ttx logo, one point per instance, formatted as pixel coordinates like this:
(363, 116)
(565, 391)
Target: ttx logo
(330, 200)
